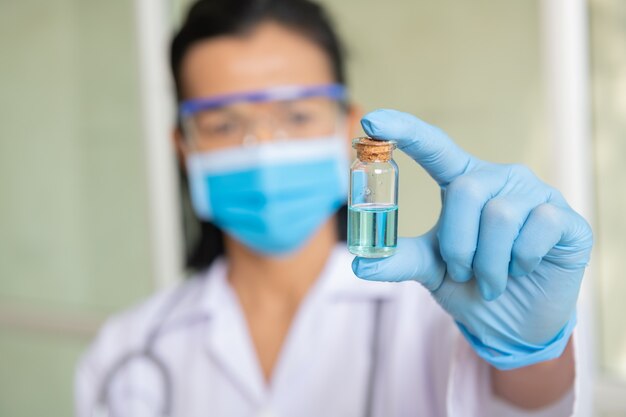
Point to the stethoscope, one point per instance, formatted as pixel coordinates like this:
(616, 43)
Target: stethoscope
(147, 355)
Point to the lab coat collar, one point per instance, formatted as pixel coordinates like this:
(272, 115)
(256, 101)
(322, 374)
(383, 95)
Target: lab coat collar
(336, 282)
(228, 342)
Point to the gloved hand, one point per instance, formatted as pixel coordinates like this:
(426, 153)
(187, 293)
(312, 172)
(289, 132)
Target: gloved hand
(506, 257)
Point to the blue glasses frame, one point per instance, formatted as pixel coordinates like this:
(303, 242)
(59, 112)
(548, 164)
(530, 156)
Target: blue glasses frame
(334, 91)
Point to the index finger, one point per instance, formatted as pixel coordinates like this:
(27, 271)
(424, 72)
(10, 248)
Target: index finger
(428, 145)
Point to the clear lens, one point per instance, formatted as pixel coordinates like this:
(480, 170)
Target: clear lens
(235, 124)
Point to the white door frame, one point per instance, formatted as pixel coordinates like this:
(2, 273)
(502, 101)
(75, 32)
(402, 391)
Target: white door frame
(566, 59)
(158, 116)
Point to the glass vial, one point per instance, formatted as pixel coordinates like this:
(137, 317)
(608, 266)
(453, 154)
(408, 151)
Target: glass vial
(373, 199)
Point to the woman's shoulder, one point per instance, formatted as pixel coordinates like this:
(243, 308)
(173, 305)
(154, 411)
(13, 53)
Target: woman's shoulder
(127, 330)
(125, 334)
(142, 315)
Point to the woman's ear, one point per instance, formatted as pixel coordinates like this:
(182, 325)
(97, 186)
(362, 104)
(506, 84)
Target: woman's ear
(178, 141)
(353, 124)
(354, 115)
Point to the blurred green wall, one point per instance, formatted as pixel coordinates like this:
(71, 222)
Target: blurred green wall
(74, 236)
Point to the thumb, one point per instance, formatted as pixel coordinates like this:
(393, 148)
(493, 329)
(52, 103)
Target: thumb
(427, 145)
(416, 259)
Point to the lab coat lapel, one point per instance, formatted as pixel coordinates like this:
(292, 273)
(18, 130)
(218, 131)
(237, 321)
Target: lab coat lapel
(228, 342)
(299, 350)
(307, 341)
(229, 345)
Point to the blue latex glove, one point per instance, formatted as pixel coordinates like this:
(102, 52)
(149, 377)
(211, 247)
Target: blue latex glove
(506, 257)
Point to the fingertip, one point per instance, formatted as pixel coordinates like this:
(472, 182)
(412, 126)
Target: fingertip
(368, 127)
(426, 144)
(488, 291)
(491, 282)
(355, 264)
(379, 115)
(516, 270)
(364, 268)
(485, 292)
(524, 263)
(459, 273)
(374, 122)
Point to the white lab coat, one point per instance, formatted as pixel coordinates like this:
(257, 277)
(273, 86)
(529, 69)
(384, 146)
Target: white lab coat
(423, 366)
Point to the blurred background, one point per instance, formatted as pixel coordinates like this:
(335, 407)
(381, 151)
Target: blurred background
(89, 223)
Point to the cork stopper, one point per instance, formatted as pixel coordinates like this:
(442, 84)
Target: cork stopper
(373, 150)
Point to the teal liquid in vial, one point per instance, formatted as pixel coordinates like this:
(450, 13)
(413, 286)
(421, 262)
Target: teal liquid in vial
(372, 230)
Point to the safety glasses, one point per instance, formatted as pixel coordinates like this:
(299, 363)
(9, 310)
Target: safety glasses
(281, 113)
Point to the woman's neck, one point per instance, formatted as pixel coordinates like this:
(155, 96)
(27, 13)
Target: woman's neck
(281, 281)
(270, 290)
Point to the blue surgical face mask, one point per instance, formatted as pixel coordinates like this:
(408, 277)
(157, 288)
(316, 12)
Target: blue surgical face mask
(271, 196)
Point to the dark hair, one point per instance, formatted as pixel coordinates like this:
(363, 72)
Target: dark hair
(211, 18)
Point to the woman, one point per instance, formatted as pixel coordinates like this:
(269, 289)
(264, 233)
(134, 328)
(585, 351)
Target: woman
(274, 321)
